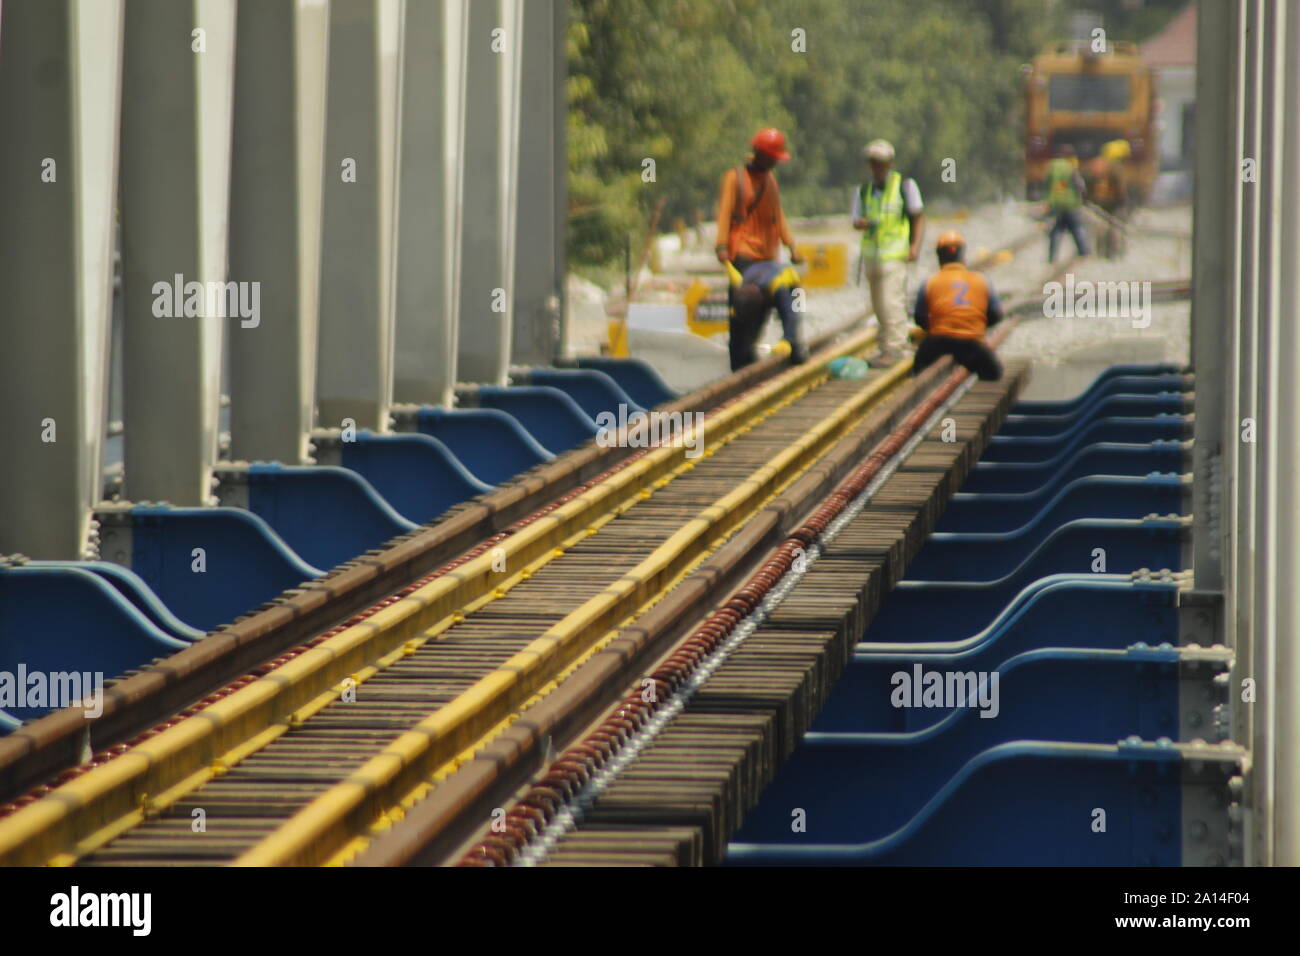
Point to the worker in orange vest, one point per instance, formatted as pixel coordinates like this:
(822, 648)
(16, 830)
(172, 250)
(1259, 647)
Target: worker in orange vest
(751, 224)
(955, 306)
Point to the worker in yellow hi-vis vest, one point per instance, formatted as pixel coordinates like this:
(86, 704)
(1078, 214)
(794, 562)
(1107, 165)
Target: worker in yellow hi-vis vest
(1065, 192)
(887, 210)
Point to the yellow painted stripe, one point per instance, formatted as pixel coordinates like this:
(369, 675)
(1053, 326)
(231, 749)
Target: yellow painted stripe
(318, 830)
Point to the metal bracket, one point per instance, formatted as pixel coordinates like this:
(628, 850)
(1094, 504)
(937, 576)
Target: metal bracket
(1200, 617)
(231, 482)
(1212, 810)
(327, 446)
(1203, 675)
(116, 542)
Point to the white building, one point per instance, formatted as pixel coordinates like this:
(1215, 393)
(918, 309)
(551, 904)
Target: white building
(1172, 55)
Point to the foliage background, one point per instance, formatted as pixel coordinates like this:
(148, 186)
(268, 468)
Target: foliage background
(687, 82)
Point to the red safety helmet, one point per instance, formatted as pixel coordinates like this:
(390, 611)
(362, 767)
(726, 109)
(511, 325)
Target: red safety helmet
(772, 142)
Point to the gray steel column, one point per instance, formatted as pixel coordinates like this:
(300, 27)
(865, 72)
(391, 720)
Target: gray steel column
(1286, 803)
(1260, 299)
(1245, 285)
(432, 101)
(355, 376)
(488, 166)
(1216, 166)
(541, 195)
(60, 75)
(275, 218)
(176, 103)
(1271, 523)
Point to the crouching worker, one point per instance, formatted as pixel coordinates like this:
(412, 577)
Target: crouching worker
(954, 306)
(762, 287)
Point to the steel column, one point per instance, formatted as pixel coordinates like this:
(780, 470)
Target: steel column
(488, 168)
(358, 260)
(1286, 819)
(60, 75)
(1211, 254)
(275, 209)
(1245, 284)
(176, 117)
(1271, 523)
(432, 101)
(540, 198)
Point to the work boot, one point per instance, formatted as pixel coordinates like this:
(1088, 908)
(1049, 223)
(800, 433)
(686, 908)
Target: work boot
(798, 353)
(885, 360)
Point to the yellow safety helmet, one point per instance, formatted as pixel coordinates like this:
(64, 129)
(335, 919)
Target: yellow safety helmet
(1116, 149)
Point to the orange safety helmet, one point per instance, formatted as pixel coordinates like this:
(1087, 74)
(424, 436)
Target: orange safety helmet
(949, 239)
(772, 142)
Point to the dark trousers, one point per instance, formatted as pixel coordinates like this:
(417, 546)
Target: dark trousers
(970, 353)
(745, 329)
(1067, 220)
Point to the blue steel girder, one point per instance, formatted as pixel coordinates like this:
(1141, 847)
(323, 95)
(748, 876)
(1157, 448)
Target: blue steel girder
(594, 391)
(1132, 379)
(490, 443)
(1120, 405)
(1038, 448)
(416, 474)
(881, 692)
(1094, 545)
(327, 514)
(133, 589)
(546, 413)
(1100, 610)
(1094, 496)
(1028, 803)
(64, 621)
(1102, 458)
(635, 376)
(1059, 694)
(210, 565)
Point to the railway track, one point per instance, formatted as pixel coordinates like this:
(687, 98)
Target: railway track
(357, 708)
(137, 702)
(665, 779)
(373, 711)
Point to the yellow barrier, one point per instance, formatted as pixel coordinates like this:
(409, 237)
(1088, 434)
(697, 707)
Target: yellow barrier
(696, 294)
(828, 265)
(617, 329)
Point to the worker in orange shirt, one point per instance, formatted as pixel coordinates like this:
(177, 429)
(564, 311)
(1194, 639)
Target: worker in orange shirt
(751, 225)
(954, 306)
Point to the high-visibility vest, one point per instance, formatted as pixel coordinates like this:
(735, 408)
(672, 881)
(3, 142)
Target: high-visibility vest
(1061, 191)
(891, 238)
(746, 207)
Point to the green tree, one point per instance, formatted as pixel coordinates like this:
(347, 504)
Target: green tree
(685, 83)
